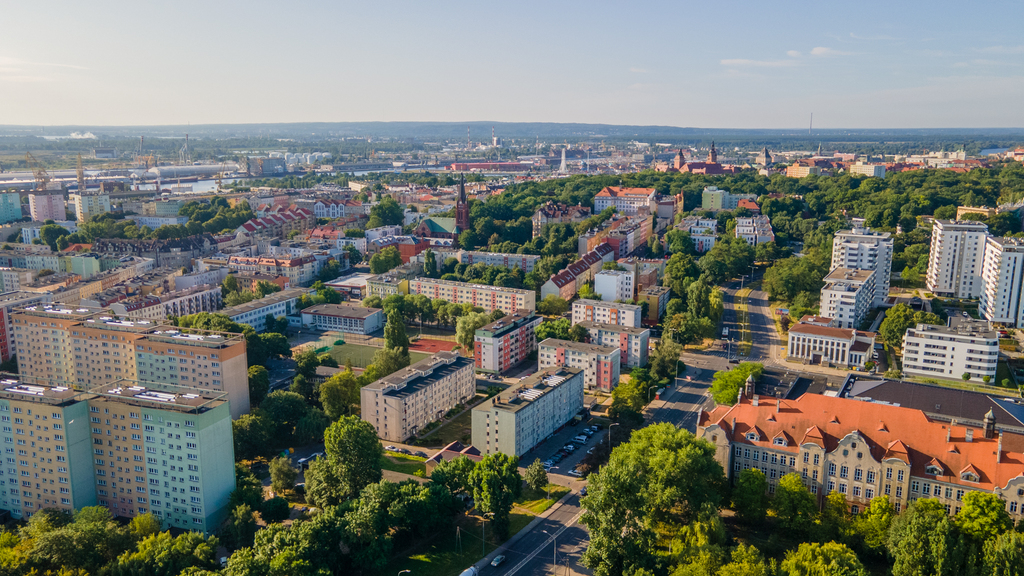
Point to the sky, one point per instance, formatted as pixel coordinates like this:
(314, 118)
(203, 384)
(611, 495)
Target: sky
(717, 64)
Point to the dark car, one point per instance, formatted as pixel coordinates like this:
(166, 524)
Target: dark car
(420, 454)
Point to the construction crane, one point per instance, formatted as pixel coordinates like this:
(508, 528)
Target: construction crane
(81, 175)
(42, 177)
(185, 154)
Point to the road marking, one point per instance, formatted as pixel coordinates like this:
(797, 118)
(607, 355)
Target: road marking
(533, 554)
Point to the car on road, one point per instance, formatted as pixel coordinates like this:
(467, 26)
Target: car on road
(583, 491)
(391, 448)
(420, 454)
(591, 451)
(733, 361)
(405, 451)
(498, 560)
(575, 472)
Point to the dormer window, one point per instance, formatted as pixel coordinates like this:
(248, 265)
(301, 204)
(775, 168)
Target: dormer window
(969, 476)
(780, 441)
(933, 470)
(752, 437)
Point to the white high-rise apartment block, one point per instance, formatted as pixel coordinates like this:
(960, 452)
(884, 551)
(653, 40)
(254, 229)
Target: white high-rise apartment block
(966, 346)
(614, 285)
(955, 258)
(846, 297)
(1002, 272)
(864, 249)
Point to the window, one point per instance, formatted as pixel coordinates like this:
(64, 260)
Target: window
(933, 470)
(831, 468)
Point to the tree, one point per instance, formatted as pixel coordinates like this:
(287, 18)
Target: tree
(665, 359)
(323, 487)
(454, 474)
(873, 523)
(248, 488)
(536, 477)
(966, 376)
(339, 393)
(747, 561)
(680, 271)
(394, 333)
(918, 539)
(577, 333)
(750, 495)
(387, 212)
(282, 474)
(497, 315)
(791, 276)
(275, 510)
(50, 233)
(558, 329)
(430, 264)
(259, 384)
(385, 260)
(1004, 556)
(983, 516)
(165, 555)
(793, 504)
(496, 484)
(829, 559)
(662, 470)
(834, 521)
(466, 327)
(387, 361)
(284, 409)
(901, 317)
(552, 305)
(726, 384)
(241, 527)
(654, 246)
(355, 454)
(911, 275)
(252, 435)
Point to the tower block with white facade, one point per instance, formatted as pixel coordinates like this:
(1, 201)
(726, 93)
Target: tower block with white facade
(955, 258)
(864, 249)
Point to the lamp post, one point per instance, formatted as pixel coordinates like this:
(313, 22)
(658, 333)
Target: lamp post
(649, 393)
(610, 439)
(554, 550)
(483, 532)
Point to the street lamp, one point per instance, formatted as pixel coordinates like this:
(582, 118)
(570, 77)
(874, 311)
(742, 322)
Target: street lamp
(649, 393)
(610, 439)
(554, 550)
(483, 531)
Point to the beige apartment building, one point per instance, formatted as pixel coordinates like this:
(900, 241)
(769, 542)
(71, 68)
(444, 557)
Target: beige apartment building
(401, 404)
(490, 298)
(86, 347)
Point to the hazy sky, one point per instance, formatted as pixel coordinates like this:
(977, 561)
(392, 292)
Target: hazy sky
(706, 64)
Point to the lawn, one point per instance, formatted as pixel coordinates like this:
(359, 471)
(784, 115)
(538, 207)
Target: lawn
(537, 501)
(403, 463)
(461, 429)
(455, 548)
(362, 356)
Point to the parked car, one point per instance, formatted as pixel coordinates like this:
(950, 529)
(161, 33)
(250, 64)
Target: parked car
(575, 472)
(498, 560)
(404, 451)
(583, 491)
(390, 448)
(420, 454)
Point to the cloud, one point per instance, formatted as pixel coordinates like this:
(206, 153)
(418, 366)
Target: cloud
(9, 61)
(759, 63)
(23, 79)
(793, 54)
(873, 38)
(822, 51)
(1002, 49)
(639, 70)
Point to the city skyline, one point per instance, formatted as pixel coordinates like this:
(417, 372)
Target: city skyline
(729, 65)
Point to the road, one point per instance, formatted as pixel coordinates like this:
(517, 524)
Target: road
(535, 553)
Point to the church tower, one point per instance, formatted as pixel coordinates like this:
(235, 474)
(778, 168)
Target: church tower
(679, 161)
(713, 154)
(462, 206)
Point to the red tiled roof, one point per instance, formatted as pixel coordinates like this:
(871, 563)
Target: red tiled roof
(615, 191)
(889, 432)
(828, 331)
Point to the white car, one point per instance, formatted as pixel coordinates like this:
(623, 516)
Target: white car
(498, 560)
(391, 449)
(575, 472)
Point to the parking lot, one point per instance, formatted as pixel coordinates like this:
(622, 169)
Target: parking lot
(549, 449)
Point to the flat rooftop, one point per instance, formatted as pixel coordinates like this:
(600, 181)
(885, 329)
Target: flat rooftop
(268, 300)
(341, 310)
(578, 346)
(848, 275)
(12, 388)
(161, 397)
(614, 328)
(455, 284)
(603, 304)
(420, 375)
(507, 323)
(530, 389)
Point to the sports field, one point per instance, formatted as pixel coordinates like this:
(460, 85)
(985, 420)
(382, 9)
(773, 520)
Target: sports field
(362, 356)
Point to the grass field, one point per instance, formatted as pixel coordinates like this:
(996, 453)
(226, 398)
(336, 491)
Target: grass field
(461, 429)
(362, 356)
(403, 463)
(537, 501)
(452, 551)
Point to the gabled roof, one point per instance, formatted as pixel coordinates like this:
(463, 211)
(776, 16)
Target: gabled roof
(445, 225)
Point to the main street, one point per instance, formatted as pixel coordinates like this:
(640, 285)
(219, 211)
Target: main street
(547, 547)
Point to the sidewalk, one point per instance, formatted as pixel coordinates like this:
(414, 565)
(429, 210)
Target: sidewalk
(522, 533)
